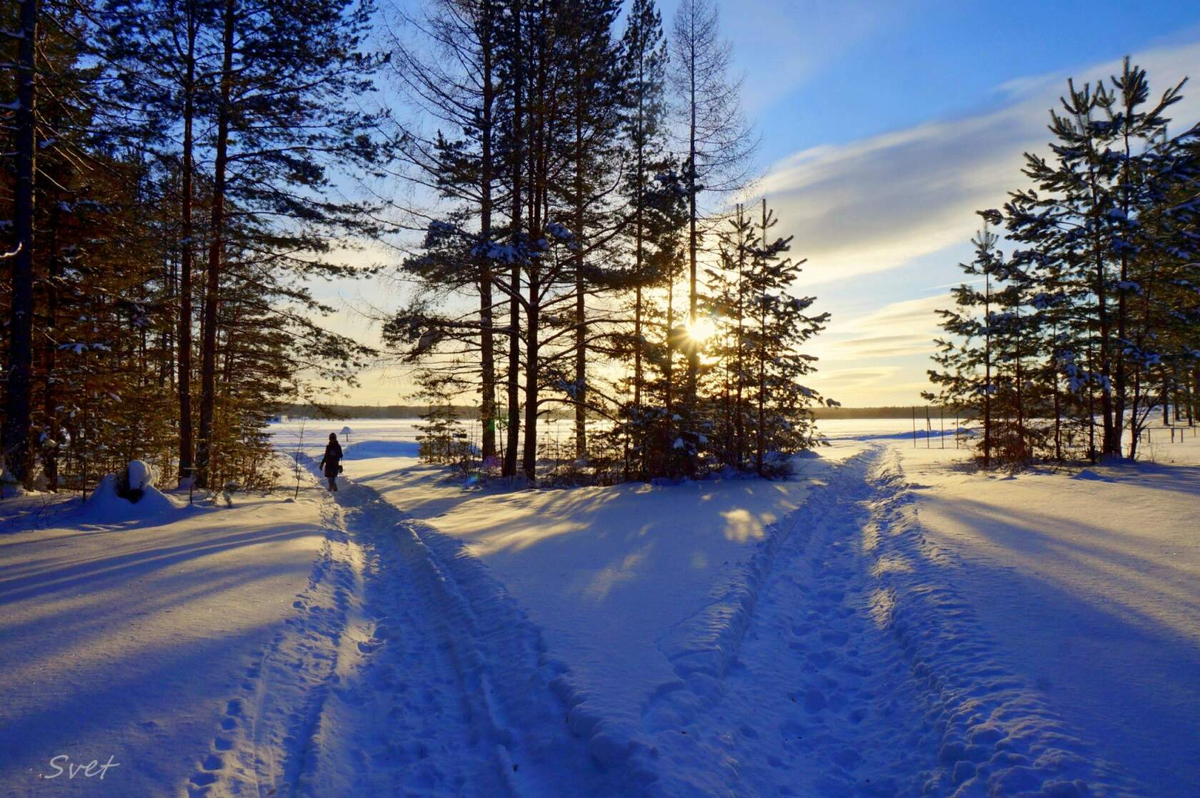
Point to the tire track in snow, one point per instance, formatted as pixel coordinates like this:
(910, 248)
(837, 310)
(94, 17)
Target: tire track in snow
(262, 744)
(361, 694)
(493, 656)
(702, 648)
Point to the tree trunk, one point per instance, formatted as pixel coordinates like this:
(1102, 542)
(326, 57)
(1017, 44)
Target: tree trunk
(1101, 289)
(1195, 397)
(1133, 415)
(638, 234)
(987, 370)
(740, 419)
(514, 310)
(18, 391)
(1166, 402)
(670, 364)
(529, 455)
(762, 347)
(50, 358)
(693, 354)
(487, 343)
(208, 361)
(1020, 392)
(1122, 311)
(186, 465)
(1058, 455)
(580, 284)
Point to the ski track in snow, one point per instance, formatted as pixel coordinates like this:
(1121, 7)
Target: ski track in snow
(848, 665)
(394, 678)
(840, 660)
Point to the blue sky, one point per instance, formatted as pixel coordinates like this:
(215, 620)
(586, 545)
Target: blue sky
(884, 126)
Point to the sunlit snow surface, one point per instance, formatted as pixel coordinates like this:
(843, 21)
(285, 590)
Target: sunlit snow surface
(1080, 587)
(889, 622)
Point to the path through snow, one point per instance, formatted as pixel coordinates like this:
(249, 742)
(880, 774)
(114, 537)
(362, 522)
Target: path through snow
(863, 672)
(397, 678)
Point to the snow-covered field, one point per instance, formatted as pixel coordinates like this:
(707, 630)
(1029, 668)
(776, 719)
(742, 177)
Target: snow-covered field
(889, 622)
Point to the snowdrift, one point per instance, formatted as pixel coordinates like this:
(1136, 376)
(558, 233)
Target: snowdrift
(107, 506)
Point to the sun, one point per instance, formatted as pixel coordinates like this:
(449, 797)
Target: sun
(701, 329)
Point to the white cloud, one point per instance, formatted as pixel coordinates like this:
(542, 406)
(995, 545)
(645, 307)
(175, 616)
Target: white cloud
(877, 204)
(898, 329)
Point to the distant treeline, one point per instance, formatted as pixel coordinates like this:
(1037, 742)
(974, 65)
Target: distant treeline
(463, 411)
(904, 411)
(369, 411)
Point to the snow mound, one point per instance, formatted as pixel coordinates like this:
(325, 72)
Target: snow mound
(106, 505)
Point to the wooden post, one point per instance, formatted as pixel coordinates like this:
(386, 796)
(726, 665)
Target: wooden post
(914, 426)
(928, 429)
(942, 415)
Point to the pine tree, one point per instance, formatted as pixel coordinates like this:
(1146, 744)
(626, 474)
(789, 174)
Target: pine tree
(1087, 318)
(717, 139)
(643, 107)
(967, 360)
(461, 88)
(164, 53)
(286, 73)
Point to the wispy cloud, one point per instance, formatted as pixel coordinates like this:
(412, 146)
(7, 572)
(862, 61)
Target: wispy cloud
(898, 329)
(773, 39)
(879, 203)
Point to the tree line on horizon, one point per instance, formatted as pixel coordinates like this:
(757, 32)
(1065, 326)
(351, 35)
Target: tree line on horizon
(178, 174)
(471, 411)
(1064, 346)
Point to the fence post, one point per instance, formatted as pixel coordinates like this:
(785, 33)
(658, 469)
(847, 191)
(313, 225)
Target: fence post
(914, 426)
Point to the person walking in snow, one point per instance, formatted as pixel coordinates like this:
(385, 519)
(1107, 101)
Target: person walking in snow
(331, 462)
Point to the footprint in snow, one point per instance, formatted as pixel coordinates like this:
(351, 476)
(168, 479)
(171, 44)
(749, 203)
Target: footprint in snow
(835, 637)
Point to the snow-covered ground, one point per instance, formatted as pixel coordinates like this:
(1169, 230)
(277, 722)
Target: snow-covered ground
(124, 640)
(889, 622)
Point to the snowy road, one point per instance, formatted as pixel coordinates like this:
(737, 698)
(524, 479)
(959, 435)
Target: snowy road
(363, 694)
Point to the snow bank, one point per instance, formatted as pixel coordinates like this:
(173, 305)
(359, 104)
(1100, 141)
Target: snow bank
(139, 475)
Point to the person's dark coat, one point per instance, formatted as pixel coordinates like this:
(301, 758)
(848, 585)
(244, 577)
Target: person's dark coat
(333, 456)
